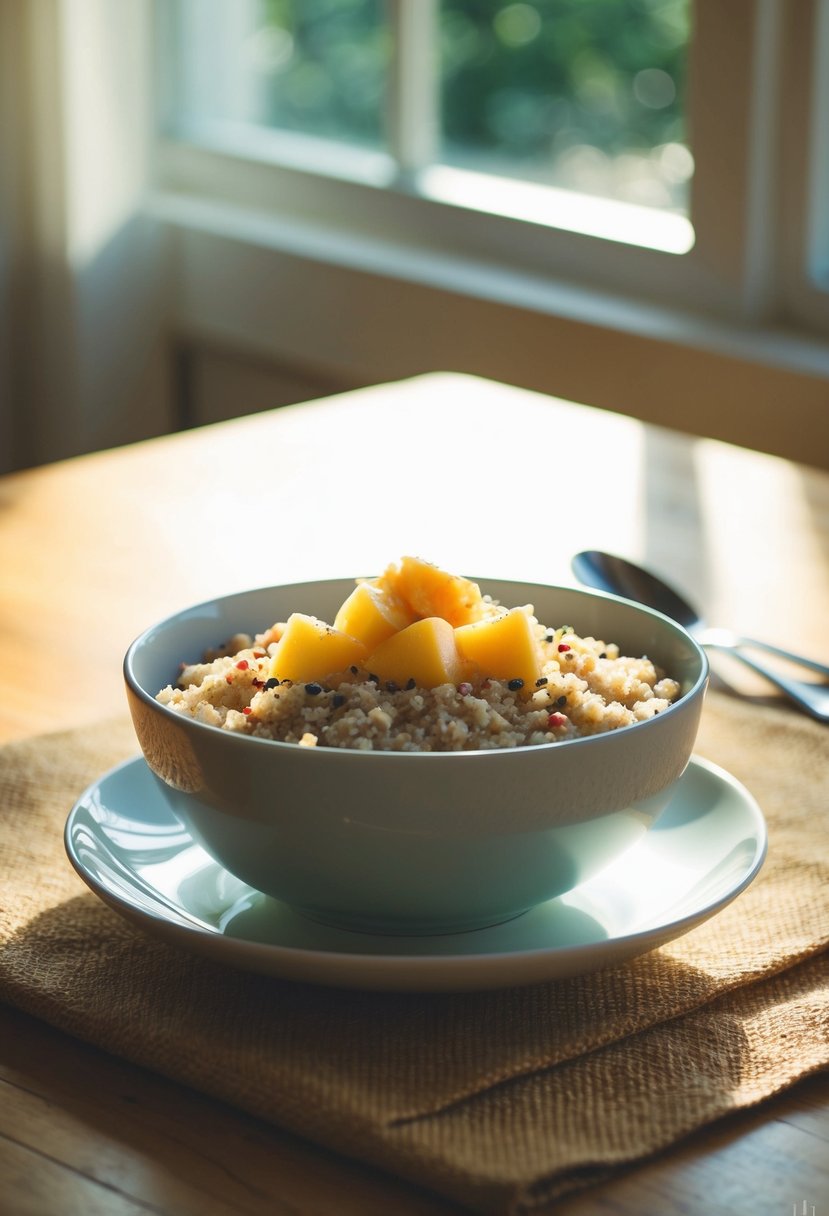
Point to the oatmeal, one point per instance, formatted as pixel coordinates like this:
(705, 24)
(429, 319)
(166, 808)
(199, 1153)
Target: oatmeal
(425, 663)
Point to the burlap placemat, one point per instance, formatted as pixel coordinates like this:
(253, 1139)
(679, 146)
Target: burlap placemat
(501, 1100)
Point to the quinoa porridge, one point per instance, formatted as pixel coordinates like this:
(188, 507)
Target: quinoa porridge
(420, 660)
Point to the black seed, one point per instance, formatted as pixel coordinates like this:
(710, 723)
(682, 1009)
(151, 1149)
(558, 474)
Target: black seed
(541, 681)
(603, 655)
(391, 686)
(411, 683)
(549, 637)
(376, 679)
(337, 700)
(354, 670)
(272, 682)
(514, 685)
(561, 702)
(313, 690)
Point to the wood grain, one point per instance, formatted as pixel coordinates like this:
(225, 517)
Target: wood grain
(485, 479)
(80, 1128)
(72, 1117)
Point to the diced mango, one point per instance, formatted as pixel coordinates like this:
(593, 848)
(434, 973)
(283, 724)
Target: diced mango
(425, 652)
(504, 647)
(430, 591)
(311, 650)
(372, 615)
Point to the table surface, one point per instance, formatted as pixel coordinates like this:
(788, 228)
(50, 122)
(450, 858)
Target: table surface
(477, 477)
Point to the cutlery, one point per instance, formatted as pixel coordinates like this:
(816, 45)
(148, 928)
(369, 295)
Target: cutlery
(607, 572)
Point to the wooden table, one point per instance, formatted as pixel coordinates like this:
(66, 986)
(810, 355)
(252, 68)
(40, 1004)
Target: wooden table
(475, 476)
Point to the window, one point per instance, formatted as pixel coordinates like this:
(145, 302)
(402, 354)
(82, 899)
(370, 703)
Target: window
(317, 67)
(583, 97)
(621, 201)
(539, 111)
(586, 96)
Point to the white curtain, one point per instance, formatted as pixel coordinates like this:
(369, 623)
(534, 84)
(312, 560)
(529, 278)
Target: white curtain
(82, 283)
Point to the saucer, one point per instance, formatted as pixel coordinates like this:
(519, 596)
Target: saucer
(134, 853)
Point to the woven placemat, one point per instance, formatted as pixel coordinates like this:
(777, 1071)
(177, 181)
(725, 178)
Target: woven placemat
(500, 1100)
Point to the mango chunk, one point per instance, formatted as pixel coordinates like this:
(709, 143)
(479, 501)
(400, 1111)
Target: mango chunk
(371, 615)
(505, 647)
(425, 652)
(311, 650)
(430, 591)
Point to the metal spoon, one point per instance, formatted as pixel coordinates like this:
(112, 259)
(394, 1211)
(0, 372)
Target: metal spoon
(605, 572)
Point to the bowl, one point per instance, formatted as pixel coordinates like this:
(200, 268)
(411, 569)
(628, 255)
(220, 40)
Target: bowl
(408, 842)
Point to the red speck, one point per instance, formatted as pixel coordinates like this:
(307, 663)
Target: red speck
(247, 710)
(243, 664)
(555, 720)
(562, 646)
(229, 679)
(259, 654)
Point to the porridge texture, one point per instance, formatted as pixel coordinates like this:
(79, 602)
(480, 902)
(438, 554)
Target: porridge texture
(419, 660)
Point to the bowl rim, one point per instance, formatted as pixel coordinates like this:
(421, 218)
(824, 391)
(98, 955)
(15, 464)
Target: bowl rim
(236, 738)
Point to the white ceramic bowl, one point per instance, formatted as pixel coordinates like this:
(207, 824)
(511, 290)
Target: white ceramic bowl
(408, 842)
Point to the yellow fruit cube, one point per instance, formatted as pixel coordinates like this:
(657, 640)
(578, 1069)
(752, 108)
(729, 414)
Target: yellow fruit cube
(430, 591)
(371, 615)
(504, 647)
(425, 652)
(311, 650)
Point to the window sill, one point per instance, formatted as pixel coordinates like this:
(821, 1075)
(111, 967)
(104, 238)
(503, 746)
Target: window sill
(778, 347)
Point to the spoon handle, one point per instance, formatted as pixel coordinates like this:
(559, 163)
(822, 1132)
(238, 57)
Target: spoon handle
(814, 698)
(724, 639)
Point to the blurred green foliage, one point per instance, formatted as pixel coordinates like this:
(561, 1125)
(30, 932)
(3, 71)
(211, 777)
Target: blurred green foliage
(530, 79)
(584, 94)
(518, 79)
(333, 80)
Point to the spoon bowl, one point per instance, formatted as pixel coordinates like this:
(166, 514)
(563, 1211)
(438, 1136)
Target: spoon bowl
(608, 572)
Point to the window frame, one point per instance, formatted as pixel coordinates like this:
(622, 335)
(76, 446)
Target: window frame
(368, 280)
(737, 67)
(803, 258)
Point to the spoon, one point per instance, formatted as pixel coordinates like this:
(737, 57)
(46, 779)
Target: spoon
(605, 572)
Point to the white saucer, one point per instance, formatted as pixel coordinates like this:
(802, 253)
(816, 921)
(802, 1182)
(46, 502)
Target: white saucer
(705, 849)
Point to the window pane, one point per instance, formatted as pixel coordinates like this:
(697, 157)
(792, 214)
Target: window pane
(317, 67)
(587, 95)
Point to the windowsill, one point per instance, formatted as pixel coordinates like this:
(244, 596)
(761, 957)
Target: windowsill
(511, 198)
(762, 344)
(564, 210)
